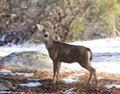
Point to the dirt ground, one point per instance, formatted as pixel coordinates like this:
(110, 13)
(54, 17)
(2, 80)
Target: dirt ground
(80, 87)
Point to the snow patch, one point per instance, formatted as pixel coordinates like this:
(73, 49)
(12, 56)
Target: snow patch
(76, 74)
(102, 45)
(70, 79)
(3, 38)
(69, 91)
(106, 53)
(108, 67)
(113, 85)
(8, 72)
(10, 92)
(24, 74)
(31, 84)
(6, 50)
(99, 78)
(118, 76)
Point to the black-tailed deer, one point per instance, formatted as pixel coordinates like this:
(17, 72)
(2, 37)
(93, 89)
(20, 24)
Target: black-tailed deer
(61, 52)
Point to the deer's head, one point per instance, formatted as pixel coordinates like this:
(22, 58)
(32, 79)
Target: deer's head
(46, 34)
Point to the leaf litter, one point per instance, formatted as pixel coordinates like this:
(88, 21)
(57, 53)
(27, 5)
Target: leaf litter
(69, 83)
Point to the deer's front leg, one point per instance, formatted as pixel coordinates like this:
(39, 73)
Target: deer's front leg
(56, 68)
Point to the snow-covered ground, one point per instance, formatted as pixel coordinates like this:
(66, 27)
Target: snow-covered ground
(106, 58)
(31, 84)
(106, 53)
(8, 72)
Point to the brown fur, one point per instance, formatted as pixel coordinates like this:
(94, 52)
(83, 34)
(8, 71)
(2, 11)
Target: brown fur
(61, 52)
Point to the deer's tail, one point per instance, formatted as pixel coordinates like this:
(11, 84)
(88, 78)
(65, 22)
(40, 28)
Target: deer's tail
(90, 54)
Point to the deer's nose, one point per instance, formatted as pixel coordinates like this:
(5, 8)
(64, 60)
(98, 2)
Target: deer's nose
(45, 35)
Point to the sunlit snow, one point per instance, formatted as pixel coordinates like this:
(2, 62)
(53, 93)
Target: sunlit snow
(99, 78)
(8, 72)
(3, 38)
(24, 74)
(113, 85)
(106, 53)
(7, 49)
(31, 84)
(70, 79)
(106, 58)
(10, 92)
(69, 91)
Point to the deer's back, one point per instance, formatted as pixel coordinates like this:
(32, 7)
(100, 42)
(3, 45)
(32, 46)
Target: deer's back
(68, 53)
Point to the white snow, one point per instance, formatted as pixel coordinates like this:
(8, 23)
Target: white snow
(3, 38)
(76, 74)
(106, 53)
(8, 49)
(70, 79)
(113, 85)
(99, 78)
(10, 92)
(102, 45)
(31, 84)
(109, 67)
(8, 72)
(106, 58)
(24, 74)
(118, 76)
(69, 91)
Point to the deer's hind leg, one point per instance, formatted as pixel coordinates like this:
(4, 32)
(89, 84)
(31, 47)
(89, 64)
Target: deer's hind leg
(87, 65)
(92, 72)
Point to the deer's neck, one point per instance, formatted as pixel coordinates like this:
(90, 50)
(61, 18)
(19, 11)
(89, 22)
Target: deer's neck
(49, 43)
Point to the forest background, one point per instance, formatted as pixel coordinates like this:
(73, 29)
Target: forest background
(71, 20)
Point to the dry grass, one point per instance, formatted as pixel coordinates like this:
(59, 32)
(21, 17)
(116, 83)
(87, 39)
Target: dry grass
(80, 87)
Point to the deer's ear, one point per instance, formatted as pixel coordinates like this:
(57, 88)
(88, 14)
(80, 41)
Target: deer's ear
(40, 27)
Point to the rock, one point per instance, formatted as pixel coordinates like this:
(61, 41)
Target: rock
(27, 60)
(5, 85)
(33, 61)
